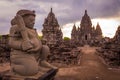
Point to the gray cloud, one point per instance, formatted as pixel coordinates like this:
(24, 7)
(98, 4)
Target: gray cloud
(66, 11)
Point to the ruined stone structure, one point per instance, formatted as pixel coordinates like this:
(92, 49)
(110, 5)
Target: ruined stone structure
(110, 50)
(117, 35)
(65, 55)
(26, 48)
(86, 34)
(4, 49)
(4, 42)
(4, 39)
(52, 33)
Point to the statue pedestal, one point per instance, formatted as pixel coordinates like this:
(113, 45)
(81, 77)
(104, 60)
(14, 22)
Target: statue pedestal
(48, 75)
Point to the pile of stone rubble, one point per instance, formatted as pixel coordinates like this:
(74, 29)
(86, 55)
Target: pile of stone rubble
(110, 52)
(65, 55)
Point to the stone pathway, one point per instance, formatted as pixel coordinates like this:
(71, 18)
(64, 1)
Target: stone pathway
(91, 68)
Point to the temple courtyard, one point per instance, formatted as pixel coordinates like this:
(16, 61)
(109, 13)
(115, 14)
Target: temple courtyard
(91, 67)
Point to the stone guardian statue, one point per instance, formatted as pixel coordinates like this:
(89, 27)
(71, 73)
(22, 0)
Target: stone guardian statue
(28, 55)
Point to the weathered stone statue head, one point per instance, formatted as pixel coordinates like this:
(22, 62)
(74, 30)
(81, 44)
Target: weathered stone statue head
(28, 17)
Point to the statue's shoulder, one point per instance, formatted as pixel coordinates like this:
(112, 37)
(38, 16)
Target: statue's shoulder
(14, 28)
(14, 31)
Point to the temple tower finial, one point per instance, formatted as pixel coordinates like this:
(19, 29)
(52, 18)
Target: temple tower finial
(85, 11)
(51, 9)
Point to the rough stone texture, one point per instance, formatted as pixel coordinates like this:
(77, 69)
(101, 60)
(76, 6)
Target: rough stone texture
(116, 38)
(110, 50)
(65, 55)
(91, 68)
(4, 49)
(52, 33)
(86, 34)
(49, 75)
(110, 53)
(26, 48)
(4, 42)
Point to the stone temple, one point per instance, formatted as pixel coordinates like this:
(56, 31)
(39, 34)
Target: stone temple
(86, 34)
(116, 38)
(52, 33)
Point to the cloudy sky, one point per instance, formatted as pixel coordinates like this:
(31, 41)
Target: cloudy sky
(68, 12)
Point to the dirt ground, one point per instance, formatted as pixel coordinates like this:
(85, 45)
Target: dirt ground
(91, 68)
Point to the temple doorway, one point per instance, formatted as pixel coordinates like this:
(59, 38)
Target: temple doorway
(86, 37)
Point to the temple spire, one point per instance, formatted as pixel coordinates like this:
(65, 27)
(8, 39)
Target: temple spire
(98, 23)
(74, 27)
(51, 9)
(98, 29)
(51, 30)
(85, 11)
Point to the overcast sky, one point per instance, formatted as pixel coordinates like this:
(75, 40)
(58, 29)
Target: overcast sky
(68, 12)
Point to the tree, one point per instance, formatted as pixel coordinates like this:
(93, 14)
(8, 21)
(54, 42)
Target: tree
(66, 38)
(40, 37)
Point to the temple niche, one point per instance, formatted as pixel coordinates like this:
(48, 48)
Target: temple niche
(86, 34)
(52, 33)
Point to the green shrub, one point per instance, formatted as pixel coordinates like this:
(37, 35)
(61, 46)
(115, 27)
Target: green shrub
(66, 38)
(40, 37)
